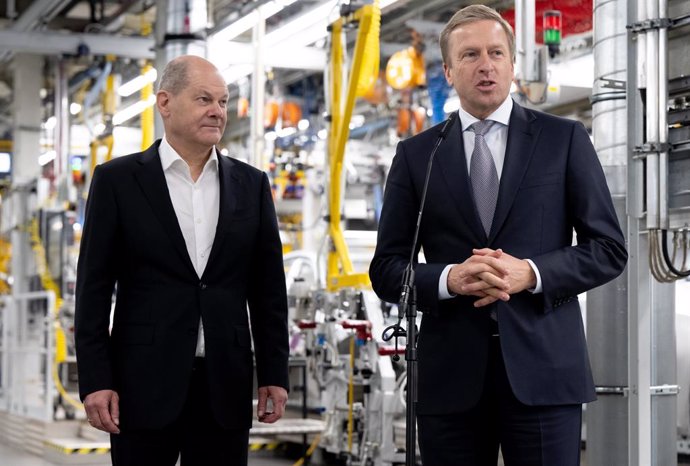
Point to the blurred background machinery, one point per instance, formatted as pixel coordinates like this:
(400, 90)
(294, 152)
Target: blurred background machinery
(321, 91)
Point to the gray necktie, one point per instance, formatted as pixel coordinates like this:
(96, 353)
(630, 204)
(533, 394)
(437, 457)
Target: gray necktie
(483, 175)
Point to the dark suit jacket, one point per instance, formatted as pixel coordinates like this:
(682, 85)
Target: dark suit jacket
(552, 183)
(132, 237)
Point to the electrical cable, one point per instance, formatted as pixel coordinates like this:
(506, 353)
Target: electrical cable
(656, 265)
(607, 96)
(49, 284)
(669, 263)
(309, 452)
(685, 248)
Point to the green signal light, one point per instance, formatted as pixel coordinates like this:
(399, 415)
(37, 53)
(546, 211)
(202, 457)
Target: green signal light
(552, 37)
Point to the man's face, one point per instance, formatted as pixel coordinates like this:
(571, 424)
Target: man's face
(479, 66)
(196, 116)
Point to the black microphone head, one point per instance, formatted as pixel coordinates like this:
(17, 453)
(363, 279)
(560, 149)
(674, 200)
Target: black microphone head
(447, 125)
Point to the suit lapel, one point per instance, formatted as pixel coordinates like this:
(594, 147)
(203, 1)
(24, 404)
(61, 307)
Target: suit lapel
(453, 164)
(151, 178)
(231, 189)
(523, 133)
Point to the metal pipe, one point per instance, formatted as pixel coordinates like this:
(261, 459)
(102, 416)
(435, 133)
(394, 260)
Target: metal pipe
(607, 306)
(185, 31)
(39, 12)
(664, 408)
(186, 16)
(639, 321)
(11, 12)
(652, 116)
(662, 102)
(183, 34)
(62, 132)
(524, 31)
(637, 78)
(258, 96)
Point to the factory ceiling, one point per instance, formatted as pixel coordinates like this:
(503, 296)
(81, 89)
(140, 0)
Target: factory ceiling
(115, 19)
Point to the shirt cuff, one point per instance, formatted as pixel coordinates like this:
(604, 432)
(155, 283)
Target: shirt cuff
(443, 292)
(538, 287)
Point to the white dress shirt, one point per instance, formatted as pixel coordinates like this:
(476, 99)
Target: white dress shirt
(496, 139)
(196, 206)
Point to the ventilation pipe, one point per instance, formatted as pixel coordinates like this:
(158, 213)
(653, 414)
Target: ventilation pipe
(185, 34)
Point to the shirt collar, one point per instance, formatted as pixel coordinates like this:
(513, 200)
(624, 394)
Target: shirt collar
(500, 115)
(169, 155)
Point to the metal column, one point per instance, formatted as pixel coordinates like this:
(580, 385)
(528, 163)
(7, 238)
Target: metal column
(606, 420)
(651, 324)
(258, 93)
(28, 79)
(26, 130)
(62, 133)
(526, 66)
(185, 34)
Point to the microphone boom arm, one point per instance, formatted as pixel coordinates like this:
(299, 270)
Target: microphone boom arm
(407, 306)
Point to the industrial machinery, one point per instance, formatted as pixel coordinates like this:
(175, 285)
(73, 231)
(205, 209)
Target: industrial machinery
(339, 322)
(359, 389)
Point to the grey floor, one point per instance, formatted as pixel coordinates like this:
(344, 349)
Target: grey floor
(10, 456)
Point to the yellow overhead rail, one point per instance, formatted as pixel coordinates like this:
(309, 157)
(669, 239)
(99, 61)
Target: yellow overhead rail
(147, 118)
(106, 138)
(363, 75)
(147, 115)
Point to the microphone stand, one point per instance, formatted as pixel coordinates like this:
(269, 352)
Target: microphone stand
(407, 306)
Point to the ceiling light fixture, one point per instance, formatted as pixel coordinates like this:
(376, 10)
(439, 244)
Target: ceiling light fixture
(248, 21)
(133, 110)
(47, 157)
(50, 123)
(304, 29)
(138, 83)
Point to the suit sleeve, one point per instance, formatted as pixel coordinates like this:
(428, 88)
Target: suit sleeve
(600, 253)
(394, 241)
(96, 276)
(268, 298)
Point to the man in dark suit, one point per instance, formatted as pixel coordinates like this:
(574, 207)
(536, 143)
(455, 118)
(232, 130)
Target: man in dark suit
(501, 350)
(190, 239)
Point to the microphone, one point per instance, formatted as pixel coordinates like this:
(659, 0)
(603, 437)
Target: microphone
(408, 276)
(407, 307)
(395, 331)
(446, 127)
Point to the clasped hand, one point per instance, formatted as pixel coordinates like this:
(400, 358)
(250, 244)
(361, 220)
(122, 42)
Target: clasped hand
(490, 275)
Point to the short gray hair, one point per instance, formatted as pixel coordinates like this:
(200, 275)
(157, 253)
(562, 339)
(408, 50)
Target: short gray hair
(175, 77)
(471, 14)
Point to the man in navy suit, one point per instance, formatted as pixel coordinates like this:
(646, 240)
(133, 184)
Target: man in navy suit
(501, 349)
(191, 239)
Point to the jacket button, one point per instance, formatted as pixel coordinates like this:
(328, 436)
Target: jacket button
(202, 285)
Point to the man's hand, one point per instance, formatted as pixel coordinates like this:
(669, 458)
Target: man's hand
(481, 275)
(103, 410)
(518, 273)
(278, 395)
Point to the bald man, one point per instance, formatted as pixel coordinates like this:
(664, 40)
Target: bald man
(190, 238)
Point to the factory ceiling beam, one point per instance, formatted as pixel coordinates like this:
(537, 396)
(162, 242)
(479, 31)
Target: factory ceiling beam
(37, 14)
(54, 43)
(40, 12)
